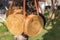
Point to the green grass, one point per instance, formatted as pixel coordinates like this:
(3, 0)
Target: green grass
(4, 33)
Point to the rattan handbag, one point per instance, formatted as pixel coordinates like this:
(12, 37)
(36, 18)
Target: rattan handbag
(34, 24)
(17, 23)
(14, 20)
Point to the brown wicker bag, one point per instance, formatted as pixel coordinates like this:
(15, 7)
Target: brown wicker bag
(14, 20)
(31, 25)
(34, 24)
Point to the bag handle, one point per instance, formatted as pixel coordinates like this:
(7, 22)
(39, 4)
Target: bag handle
(9, 10)
(37, 7)
(24, 8)
(11, 5)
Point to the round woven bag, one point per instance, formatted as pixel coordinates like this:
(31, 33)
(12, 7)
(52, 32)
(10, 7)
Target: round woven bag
(15, 23)
(33, 25)
(14, 20)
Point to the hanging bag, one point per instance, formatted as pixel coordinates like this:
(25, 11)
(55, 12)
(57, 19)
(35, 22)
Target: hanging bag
(34, 24)
(14, 20)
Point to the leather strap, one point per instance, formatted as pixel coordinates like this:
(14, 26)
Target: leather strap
(36, 5)
(11, 5)
(24, 8)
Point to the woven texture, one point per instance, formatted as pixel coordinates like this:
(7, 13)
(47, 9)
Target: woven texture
(15, 22)
(33, 25)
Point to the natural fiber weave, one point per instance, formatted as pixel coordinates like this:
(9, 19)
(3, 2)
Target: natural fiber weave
(33, 25)
(15, 22)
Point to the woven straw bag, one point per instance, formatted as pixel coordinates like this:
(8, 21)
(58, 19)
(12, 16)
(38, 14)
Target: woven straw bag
(17, 23)
(14, 20)
(33, 24)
